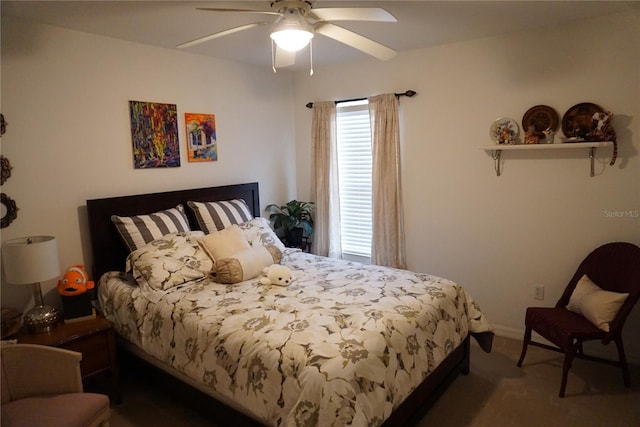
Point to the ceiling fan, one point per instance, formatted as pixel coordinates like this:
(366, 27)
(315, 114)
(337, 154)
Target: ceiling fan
(296, 23)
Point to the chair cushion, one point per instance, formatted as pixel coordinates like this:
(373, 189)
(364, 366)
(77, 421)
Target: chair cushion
(600, 307)
(561, 326)
(63, 410)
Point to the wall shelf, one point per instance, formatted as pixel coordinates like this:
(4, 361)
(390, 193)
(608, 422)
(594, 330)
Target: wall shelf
(498, 149)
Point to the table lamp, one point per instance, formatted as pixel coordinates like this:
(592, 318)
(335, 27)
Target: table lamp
(29, 261)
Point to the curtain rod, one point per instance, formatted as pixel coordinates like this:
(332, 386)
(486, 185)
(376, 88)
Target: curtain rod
(409, 93)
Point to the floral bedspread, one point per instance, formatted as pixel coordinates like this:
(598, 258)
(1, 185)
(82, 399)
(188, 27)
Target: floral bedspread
(345, 344)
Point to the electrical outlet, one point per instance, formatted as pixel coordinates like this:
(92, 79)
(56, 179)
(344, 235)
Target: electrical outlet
(538, 292)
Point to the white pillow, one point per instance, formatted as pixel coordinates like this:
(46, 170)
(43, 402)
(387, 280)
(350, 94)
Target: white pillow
(224, 243)
(246, 264)
(595, 304)
(258, 232)
(172, 260)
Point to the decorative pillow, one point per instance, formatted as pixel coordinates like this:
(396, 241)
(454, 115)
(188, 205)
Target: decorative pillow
(138, 230)
(172, 260)
(246, 264)
(214, 216)
(224, 243)
(595, 304)
(258, 232)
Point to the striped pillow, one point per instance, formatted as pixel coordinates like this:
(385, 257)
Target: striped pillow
(216, 216)
(138, 230)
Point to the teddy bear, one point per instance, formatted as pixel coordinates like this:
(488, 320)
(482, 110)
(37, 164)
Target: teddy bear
(277, 274)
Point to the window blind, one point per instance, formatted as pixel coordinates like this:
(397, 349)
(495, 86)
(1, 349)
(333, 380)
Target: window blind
(354, 175)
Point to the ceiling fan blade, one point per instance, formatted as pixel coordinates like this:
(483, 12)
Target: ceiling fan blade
(353, 14)
(284, 58)
(217, 9)
(356, 41)
(220, 34)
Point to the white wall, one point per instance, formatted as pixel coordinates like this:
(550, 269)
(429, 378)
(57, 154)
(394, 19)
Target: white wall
(65, 96)
(498, 236)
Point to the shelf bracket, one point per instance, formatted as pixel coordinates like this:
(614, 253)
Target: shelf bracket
(496, 161)
(591, 150)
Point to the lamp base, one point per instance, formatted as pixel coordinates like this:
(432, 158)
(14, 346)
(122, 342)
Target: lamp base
(41, 319)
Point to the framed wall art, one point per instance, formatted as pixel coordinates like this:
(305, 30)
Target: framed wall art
(201, 137)
(154, 134)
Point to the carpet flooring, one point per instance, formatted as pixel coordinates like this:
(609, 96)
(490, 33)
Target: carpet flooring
(495, 393)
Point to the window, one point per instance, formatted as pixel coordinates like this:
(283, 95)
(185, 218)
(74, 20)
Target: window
(354, 175)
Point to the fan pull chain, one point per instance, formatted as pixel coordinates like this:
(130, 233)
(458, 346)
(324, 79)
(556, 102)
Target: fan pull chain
(273, 58)
(311, 57)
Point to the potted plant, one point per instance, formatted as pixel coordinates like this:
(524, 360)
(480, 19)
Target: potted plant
(292, 220)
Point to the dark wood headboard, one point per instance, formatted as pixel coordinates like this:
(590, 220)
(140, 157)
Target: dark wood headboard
(107, 248)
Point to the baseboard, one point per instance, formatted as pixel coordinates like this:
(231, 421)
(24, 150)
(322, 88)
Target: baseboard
(593, 348)
(517, 334)
(507, 332)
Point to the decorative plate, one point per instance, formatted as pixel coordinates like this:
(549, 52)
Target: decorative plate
(504, 130)
(541, 117)
(577, 122)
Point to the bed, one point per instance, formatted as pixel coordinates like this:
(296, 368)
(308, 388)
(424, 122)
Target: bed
(343, 344)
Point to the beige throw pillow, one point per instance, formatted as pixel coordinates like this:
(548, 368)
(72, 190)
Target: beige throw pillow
(246, 264)
(595, 304)
(224, 243)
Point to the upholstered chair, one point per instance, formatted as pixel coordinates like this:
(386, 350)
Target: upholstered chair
(42, 386)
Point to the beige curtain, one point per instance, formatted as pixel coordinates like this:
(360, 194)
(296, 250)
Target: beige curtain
(388, 246)
(324, 180)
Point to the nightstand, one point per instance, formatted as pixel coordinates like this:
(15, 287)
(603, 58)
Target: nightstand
(305, 245)
(94, 338)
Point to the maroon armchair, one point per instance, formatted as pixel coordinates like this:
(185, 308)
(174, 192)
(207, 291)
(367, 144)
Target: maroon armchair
(613, 267)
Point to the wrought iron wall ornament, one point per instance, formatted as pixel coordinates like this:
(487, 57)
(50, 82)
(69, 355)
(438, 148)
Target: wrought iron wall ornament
(9, 210)
(8, 207)
(6, 169)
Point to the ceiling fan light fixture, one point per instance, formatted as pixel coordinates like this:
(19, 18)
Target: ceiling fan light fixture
(292, 40)
(293, 33)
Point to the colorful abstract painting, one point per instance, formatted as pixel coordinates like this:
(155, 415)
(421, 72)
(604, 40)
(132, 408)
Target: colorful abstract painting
(154, 133)
(201, 137)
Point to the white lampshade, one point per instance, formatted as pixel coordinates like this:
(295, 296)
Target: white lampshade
(292, 40)
(30, 260)
(292, 33)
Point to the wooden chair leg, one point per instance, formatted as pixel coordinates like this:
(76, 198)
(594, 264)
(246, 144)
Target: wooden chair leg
(525, 344)
(568, 361)
(580, 351)
(626, 378)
